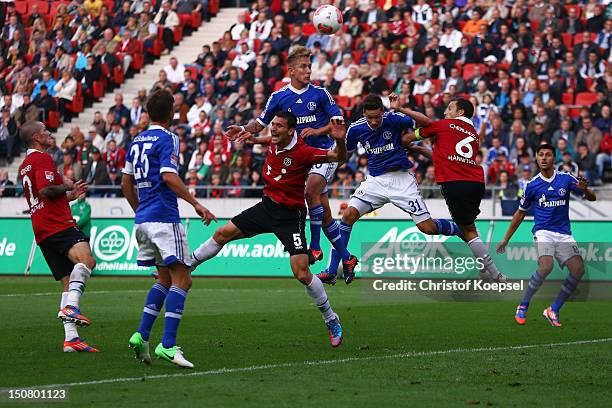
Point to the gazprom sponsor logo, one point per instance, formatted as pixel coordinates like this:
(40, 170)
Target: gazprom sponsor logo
(306, 119)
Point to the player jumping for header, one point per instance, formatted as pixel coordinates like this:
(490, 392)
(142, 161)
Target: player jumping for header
(549, 191)
(282, 210)
(64, 246)
(151, 185)
(383, 136)
(313, 107)
(460, 177)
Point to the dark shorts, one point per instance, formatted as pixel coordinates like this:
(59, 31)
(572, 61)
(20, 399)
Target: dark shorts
(286, 223)
(463, 200)
(55, 250)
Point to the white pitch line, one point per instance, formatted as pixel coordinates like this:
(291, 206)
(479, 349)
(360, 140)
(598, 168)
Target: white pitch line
(221, 371)
(103, 292)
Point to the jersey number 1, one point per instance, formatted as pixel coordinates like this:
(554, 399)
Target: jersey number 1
(141, 169)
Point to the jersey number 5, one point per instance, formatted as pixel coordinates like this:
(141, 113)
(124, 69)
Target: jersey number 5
(141, 165)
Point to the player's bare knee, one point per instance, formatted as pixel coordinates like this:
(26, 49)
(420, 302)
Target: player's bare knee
(222, 236)
(312, 197)
(302, 274)
(350, 216)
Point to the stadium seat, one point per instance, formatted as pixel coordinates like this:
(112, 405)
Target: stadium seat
(418, 99)
(194, 72)
(568, 40)
(343, 101)
(535, 24)
(567, 98)
(118, 75)
(21, 7)
(573, 6)
(468, 70)
(585, 98)
(98, 89)
(435, 84)
(574, 113)
(53, 120)
(308, 29)
(178, 34)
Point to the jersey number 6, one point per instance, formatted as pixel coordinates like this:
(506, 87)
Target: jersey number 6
(464, 147)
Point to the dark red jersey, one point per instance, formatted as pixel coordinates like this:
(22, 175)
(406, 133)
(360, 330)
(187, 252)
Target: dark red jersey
(49, 215)
(286, 170)
(455, 150)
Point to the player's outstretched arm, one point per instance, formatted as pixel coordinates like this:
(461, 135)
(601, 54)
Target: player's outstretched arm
(129, 190)
(420, 119)
(422, 150)
(308, 132)
(338, 132)
(582, 184)
(175, 183)
(253, 127)
(517, 219)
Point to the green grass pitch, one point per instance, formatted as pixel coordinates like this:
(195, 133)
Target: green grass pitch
(261, 342)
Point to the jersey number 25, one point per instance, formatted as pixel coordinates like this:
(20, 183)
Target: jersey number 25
(141, 164)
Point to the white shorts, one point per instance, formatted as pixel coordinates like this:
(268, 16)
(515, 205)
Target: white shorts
(398, 188)
(562, 247)
(161, 244)
(325, 170)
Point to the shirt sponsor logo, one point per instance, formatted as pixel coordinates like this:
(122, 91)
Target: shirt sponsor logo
(462, 130)
(377, 150)
(548, 204)
(49, 176)
(306, 119)
(462, 159)
(26, 169)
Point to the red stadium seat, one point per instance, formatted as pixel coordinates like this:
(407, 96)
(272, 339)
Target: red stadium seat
(567, 98)
(573, 6)
(468, 70)
(194, 72)
(574, 113)
(21, 7)
(53, 120)
(436, 83)
(308, 29)
(568, 40)
(418, 99)
(77, 104)
(586, 98)
(98, 89)
(178, 34)
(343, 101)
(535, 24)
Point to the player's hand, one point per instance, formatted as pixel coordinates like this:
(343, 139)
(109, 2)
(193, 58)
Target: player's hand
(501, 247)
(233, 131)
(582, 183)
(394, 101)
(338, 129)
(245, 137)
(207, 216)
(68, 182)
(80, 187)
(308, 132)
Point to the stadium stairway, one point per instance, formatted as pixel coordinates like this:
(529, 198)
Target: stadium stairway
(186, 52)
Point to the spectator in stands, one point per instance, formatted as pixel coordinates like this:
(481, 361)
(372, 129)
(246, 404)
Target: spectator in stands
(175, 72)
(114, 156)
(238, 27)
(120, 18)
(320, 67)
(65, 90)
(7, 187)
(421, 12)
(95, 173)
(93, 6)
(97, 140)
(55, 152)
(45, 102)
(261, 27)
(68, 166)
(147, 33)
(126, 49)
(375, 83)
(13, 25)
(244, 57)
(351, 86)
(169, 20)
(589, 135)
(120, 112)
(108, 43)
(116, 134)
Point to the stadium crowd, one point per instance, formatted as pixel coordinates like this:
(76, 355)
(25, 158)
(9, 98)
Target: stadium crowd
(535, 70)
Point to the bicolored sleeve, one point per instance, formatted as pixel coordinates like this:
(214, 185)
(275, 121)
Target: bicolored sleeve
(46, 174)
(270, 110)
(351, 140)
(168, 156)
(312, 155)
(402, 121)
(329, 106)
(129, 162)
(526, 200)
(571, 184)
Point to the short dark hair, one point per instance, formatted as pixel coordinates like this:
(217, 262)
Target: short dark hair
(29, 129)
(289, 117)
(373, 102)
(466, 106)
(546, 146)
(160, 106)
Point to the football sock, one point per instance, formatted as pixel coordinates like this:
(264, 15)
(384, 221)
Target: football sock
(332, 232)
(317, 292)
(70, 328)
(175, 303)
(316, 221)
(480, 251)
(567, 287)
(334, 259)
(447, 227)
(532, 287)
(155, 301)
(204, 252)
(78, 278)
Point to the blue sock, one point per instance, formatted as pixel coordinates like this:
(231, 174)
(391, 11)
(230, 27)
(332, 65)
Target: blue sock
(532, 287)
(567, 287)
(174, 311)
(332, 232)
(316, 221)
(447, 227)
(155, 301)
(334, 259)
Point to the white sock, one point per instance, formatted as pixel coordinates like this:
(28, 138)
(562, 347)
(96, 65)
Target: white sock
(480, 251)
(204, 252)
(70, 329)
(317, 292)
(78, 278)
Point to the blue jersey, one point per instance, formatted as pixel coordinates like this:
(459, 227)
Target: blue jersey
(313, 107)
(384, 144)
(551, 200)
(151, 153)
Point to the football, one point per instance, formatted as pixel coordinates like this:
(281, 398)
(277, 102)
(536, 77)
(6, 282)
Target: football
(327, 19)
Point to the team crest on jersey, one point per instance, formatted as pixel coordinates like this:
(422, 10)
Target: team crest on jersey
(562, 191)
(387, 135)
(287, 161)
(312, 106)
(49, 175)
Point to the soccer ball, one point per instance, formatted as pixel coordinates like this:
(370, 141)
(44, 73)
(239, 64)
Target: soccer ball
(327, 19)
